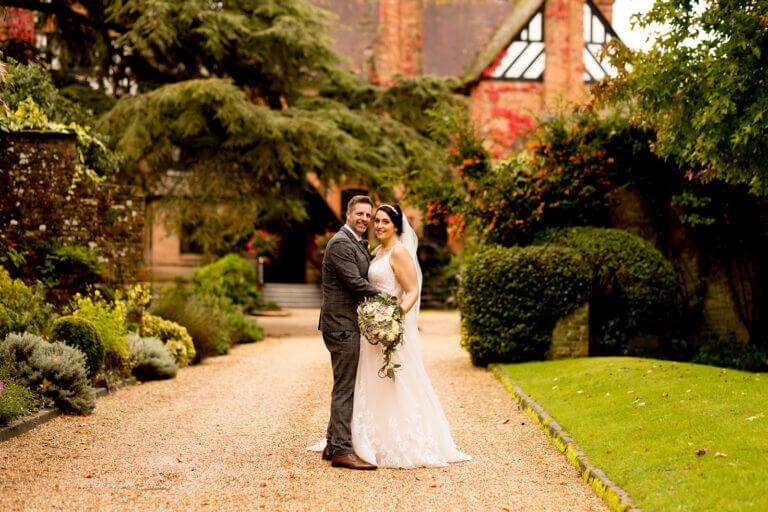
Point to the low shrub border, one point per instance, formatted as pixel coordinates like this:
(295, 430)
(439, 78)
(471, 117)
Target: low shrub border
(23, 425)
(614, 496)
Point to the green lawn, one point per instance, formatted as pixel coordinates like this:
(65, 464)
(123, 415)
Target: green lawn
(642, 420)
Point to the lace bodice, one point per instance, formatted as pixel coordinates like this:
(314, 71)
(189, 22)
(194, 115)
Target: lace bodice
(381, 276)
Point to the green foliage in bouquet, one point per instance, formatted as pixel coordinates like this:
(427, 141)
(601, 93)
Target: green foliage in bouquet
(54, 370)
(380, 319)
(511, 298)
(150, 359)
(175, 337)
(635, 290)
(22, 308)
(81, 334)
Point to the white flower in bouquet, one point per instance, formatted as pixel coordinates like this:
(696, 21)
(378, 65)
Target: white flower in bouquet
(380, 321)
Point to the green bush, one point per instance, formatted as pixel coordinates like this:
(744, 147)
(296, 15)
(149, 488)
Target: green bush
(232, 277)
(150, 359)
(108, 316)
(242, 329)
(731, 353)
(205, 324)
(174, 336)
(22, 308)
(15, 399)
(54, 370)
(635, 289)
(30, 80)
(69, 266)
(511, 298)
(82, 334)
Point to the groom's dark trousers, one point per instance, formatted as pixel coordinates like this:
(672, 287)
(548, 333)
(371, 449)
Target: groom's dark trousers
(345, 284)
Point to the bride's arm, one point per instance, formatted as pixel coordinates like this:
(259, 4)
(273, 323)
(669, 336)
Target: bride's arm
(405, 272)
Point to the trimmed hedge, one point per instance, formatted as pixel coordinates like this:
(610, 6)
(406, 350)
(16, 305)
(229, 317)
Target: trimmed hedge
(511, 298)
(81, 334)
(635, 289)
(54, 370)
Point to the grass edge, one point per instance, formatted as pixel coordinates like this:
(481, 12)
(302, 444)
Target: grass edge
(614, 496)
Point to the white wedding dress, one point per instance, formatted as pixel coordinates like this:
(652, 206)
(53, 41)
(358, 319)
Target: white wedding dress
(398, 423)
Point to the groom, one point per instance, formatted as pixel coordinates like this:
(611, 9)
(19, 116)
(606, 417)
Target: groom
(345, 284)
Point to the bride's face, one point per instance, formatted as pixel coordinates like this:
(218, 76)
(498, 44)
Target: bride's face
(384, 227)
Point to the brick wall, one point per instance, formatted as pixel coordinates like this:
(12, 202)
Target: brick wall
(36, 171)
(397, 47)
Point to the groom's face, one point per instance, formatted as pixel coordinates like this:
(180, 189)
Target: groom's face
(359, 217)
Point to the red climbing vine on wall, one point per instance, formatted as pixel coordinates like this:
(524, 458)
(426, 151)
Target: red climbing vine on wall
(18, 24)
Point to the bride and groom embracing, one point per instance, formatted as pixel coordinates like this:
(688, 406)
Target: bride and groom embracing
(375, 421)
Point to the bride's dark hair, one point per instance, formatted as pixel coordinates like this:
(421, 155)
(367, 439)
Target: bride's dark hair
(395, 214)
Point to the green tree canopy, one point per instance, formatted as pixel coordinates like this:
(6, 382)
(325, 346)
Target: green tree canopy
(702, 86)
(245, 102)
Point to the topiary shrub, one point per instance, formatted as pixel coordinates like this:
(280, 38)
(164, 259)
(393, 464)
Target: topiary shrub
(634, 288)
(109, 318)
(54, 370)
(22, 308)
(511, 298)
(15, 399)
(82, 334)
(232, 277)
(150, 359)
(174, 336)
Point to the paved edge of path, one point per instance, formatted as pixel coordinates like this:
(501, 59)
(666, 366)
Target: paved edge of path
(27, 423)
(614, 496)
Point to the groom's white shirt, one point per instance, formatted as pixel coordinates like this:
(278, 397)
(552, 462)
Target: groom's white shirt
(357, 237)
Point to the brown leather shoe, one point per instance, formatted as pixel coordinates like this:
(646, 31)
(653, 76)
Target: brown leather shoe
(351, 461)
(327, 453)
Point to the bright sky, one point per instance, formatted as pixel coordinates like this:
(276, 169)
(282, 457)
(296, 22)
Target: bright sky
(622, 11)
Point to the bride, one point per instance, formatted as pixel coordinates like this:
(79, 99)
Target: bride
(398, 423)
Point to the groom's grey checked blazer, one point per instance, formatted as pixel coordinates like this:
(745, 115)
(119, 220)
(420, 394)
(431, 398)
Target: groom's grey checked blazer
(345, 284)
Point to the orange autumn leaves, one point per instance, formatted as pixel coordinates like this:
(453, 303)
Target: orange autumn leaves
(563, 177)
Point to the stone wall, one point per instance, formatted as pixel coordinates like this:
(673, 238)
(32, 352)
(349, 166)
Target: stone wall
(570, 337)
(36, 171)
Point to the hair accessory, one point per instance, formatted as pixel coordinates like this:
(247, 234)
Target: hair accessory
(390, 207)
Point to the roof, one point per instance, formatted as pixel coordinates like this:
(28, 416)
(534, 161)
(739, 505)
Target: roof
(355, 28)
(508, 28)
(460, 38)
(453, 33)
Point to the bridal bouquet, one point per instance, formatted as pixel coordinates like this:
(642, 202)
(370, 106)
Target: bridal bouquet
(381, 322)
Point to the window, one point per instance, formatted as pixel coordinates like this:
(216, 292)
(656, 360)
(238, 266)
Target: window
(524, 58)
(597, 33)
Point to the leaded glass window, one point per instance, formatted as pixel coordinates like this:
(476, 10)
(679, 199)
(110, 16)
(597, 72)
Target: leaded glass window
(597, 34)
(524, 58)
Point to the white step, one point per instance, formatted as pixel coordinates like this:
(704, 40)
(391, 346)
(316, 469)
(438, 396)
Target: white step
(293, 295)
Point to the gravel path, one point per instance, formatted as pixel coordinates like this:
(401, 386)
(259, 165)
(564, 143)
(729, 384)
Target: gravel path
(231, 434)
